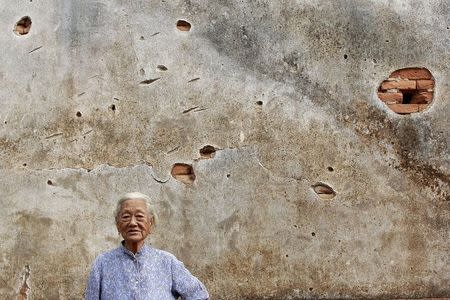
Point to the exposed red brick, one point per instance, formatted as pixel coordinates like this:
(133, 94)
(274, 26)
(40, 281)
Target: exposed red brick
(404, 108)
(422, 98)
(425, 84)
(183, 172)
(400, 85)
(391, 98)
(412, 73)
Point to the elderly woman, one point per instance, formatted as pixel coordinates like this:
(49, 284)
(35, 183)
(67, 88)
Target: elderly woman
(135, 270)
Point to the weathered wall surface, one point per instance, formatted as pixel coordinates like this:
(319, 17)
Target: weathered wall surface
(287, 93)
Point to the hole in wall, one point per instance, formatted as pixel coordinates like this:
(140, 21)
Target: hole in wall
(112, 107)
(78, 114)
(330, 169)
(259, 103)
(313, 233)
(324, 191)
(162, 68)
(345, 56)
(228, 175)
(49, 182)
(183, 172)
(408, 90)
(407, 97)
(207, 151)
(183, 25)
(23, 26)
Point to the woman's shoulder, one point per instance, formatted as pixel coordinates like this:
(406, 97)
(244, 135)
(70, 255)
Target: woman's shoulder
(162, 255)
(107, 256)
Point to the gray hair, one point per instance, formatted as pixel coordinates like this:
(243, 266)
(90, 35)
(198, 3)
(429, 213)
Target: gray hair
(137, 196)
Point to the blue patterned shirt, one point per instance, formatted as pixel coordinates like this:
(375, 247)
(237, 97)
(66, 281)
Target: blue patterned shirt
(150, 274)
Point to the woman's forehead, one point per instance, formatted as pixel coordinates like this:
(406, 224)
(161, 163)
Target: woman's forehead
(134, 204)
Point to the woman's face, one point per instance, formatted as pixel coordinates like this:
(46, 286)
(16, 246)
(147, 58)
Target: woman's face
(134, 222)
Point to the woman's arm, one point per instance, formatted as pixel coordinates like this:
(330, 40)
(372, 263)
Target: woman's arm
(185, 284)
(93, 289)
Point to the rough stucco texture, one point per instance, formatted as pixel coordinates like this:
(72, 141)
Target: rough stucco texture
(251, 225)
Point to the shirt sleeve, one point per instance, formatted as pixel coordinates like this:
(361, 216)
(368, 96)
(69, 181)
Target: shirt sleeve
(93, 288)
(185, 284)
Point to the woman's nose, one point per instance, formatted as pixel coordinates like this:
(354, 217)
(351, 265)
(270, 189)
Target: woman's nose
(133, 220)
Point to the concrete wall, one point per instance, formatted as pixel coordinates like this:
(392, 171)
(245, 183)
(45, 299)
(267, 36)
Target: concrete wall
(286, 91)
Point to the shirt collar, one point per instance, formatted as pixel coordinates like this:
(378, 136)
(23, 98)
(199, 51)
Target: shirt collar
(141, 251)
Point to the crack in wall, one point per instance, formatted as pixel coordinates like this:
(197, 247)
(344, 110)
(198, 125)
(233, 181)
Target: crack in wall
(25, 288)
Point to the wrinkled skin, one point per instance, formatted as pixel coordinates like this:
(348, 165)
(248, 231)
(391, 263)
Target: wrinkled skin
(134, 223)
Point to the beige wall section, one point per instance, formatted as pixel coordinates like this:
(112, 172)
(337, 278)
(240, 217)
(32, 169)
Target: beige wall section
(250, 226)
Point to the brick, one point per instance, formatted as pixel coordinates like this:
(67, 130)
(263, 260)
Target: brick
(425, 84)
(400, 85)
(422, 107)
(421, 98)
(412, 73)
(404, 108)
(391, 98)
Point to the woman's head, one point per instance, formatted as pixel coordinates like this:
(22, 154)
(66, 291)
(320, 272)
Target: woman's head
(137, 196)
(135, 217)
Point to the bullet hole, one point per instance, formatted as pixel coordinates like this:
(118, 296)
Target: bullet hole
(287, 255)
(78, 114)
(23, 26)
(259, 102)
(141, 38)
(339, 241)
(324, 191)
(207, 151)
(408, 90)
(313, 233)
(310, 289)
(49, 182)
(112, 107)
(183, 25)
(295, 225)
(374, 61)
(228, 175)
(6, 122)
(330, 169)
(345, 56)
(183, 172)
(24, 164)
(162, 68)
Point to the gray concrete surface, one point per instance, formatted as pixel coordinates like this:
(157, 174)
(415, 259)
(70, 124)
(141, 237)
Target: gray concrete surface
(250, 226)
